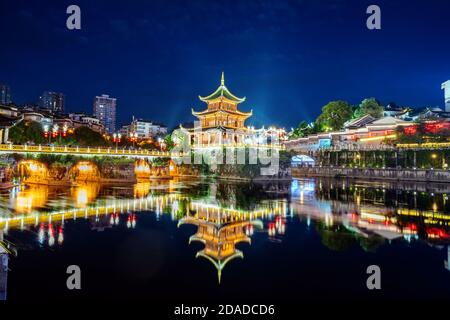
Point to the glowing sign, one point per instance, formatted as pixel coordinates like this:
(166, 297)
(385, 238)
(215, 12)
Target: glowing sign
(324, 143)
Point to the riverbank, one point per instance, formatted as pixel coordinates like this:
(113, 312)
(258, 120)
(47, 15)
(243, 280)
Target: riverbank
(412, 175)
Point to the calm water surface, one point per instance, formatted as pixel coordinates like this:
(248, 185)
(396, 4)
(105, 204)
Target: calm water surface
(210, 241)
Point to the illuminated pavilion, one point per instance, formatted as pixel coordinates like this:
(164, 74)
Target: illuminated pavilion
(221, 123)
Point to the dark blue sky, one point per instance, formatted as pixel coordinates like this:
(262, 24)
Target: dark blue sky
(288, 58)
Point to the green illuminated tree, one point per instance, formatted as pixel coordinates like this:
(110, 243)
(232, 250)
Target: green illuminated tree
(369, 106)
(334, 115)
(304, 129)
(85, 136)
(27, 132)
(169, 142)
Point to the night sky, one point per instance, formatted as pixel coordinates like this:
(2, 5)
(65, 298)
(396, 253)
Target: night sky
(288, 58)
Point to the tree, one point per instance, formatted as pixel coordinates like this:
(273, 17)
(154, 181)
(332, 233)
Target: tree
(301, 130)
(334, 115)
(315, 127)
(369, 106)
(27, 132)
(169, 142)
(85, 136)
(304, 129)
(161, 161)
(17, 134)
(147, 145)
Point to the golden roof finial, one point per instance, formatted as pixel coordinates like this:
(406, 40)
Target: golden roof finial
(222, 81)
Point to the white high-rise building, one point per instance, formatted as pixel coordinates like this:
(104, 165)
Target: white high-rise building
(446, 87)
(105, 111)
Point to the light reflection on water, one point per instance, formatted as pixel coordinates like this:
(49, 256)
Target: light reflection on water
(224, 215)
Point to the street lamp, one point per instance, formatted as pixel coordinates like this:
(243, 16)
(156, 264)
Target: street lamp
(55, 130)
(133, 137)
(162, 144)
(434, 157)
(116, 138)
(46, 133)
(63, 133)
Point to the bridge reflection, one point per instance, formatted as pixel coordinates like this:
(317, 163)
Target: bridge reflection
(219, 228)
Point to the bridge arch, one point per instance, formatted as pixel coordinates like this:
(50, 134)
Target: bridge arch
(85, 171)
(32, 171)
(142, 169)
(145, 170)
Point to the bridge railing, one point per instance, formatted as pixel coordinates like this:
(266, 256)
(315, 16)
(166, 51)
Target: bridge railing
(88, 150)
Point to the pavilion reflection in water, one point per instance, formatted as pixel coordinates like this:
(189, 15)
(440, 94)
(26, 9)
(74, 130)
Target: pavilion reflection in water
(221, 226)
(220, 229)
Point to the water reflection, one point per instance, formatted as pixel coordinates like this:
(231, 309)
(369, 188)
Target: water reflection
(220, 229)
(6, 249)
(4, 257)
(85, 193)
(381, 210)
(31, 197)
(344, 214)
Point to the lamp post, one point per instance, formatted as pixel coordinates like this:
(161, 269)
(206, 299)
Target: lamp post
(162, 144)
(133, 137)
(116, 138)
(46, 133)
(63, 133)
(55, 130)
(434, 157)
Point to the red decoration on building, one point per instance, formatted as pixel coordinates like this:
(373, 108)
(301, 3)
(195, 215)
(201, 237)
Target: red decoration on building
(411, 130)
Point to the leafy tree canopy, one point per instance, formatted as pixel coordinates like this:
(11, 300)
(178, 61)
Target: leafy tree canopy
(334, 115)
(88, 137)
(169, 142)
(27, 132)
(369, 106)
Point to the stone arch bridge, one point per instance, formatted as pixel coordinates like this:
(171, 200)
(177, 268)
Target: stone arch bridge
(56, 173)
(105, 165)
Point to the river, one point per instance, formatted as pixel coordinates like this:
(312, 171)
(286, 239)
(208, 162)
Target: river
(194, 241)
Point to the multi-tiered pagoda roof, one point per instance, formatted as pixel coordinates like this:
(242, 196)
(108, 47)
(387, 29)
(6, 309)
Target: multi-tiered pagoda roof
(222, 92)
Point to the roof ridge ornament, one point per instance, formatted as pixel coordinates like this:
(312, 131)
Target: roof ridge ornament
(222, 80)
